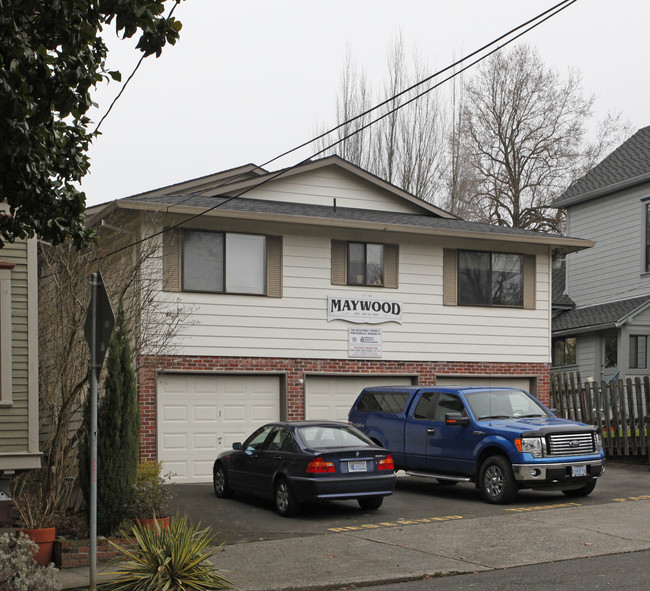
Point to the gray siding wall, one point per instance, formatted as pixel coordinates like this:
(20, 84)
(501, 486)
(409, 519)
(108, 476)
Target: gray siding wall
(613, 269)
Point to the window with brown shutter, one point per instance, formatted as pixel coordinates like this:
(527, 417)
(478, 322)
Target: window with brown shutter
(365, 264)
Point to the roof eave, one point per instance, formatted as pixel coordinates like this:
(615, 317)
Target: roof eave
(601, 192)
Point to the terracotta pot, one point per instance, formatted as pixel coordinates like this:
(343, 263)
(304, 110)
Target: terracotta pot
(44, 537)
(163, 521)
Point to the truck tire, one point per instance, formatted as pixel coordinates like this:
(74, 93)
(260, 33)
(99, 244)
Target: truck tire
(583, 491)
(285, 502)
(370, 503)
(497, 482)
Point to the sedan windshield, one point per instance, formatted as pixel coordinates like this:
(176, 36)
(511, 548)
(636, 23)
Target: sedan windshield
(504, 404)
(327, 436)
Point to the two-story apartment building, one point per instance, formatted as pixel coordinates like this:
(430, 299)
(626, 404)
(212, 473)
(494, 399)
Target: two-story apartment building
(604, 333)
(19, 446)
(308, 285)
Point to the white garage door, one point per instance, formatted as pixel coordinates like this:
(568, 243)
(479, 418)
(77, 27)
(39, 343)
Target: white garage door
(200, 415)
(330, 398)
(522, 383)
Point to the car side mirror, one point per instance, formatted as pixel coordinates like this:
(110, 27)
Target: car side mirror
(237, 446)
(456, 418)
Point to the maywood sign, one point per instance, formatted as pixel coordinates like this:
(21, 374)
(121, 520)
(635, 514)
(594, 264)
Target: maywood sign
(363, 310)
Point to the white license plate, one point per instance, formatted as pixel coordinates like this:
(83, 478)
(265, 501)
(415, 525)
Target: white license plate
(578, 470)
(357, 467)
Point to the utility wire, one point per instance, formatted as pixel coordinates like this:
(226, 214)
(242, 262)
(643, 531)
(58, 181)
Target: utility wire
(537, 20)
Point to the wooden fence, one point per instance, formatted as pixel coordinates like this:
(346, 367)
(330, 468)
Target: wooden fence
(619, 408)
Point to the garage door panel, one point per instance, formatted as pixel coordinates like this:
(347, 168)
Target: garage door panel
(199, 416)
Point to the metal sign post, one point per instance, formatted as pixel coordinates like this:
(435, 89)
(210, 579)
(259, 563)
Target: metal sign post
(98, 328)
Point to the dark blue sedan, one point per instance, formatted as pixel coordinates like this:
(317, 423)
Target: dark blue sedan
(296, 462)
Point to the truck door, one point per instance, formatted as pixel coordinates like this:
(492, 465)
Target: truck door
(415, 432)
(449, 447)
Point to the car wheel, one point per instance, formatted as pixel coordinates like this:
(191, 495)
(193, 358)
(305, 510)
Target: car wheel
(285, 501)
(583, 491)
(220, 482)
(497, 481)
(370, 503)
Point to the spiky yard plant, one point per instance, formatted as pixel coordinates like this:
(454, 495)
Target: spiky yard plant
(167, 559)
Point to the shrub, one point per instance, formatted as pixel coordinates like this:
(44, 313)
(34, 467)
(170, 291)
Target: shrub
(167, 559)
(152, 492)
(18, 569)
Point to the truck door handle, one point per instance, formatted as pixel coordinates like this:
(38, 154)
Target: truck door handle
(431, 430)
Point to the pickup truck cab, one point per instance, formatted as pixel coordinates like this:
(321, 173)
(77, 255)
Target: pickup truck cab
(501, 439)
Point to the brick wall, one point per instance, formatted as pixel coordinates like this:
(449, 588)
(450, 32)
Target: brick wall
(73, 553)
(295, 370)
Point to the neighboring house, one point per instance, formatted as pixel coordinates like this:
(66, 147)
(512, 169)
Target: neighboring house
(318, 282)
(19, 447)
(603, 327)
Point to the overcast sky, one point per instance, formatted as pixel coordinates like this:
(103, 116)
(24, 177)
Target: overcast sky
(250, 79)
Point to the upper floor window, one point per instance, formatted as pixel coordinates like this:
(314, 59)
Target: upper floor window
(5, 333)
(222, 262)
(564, 351)
(490, 279)
(638, 351)
(364, 263)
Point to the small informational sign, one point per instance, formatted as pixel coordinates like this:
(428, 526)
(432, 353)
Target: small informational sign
(364, 342)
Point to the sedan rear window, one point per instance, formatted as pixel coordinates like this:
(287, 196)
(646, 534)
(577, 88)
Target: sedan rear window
(324, 437)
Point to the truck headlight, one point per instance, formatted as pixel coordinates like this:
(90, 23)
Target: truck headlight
(531, 445)
(598, 442)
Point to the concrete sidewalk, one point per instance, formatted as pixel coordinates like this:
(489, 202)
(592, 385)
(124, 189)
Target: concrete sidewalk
(406, 550)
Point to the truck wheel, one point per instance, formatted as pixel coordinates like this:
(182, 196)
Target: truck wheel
(497, 481)
(370, 503)
(285, 501)
(583, 491)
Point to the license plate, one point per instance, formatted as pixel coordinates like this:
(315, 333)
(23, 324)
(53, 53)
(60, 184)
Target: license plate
(357, 467)
(578, 470)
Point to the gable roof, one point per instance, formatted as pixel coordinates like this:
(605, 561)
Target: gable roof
(599, 316)
(627, 166)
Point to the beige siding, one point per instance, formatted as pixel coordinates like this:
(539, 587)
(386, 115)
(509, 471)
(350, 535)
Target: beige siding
(613, 269)
(296, 324)
(322, 186)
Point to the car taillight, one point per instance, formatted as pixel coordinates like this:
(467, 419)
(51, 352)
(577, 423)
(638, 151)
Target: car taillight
(386, 463)
(320, 466)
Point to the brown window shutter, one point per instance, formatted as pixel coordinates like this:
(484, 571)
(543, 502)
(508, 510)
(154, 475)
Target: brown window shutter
(274, 266)
(172, 260)
(530, 286)
(449, 277)
(391, 265)
(338, 262)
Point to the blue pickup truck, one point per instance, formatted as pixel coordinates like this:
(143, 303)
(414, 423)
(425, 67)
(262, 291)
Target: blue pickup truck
(501, 439)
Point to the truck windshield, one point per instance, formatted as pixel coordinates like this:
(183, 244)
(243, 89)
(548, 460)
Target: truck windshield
(504, 404)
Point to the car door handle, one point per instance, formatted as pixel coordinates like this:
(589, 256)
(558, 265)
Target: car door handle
(277, 458)
(431, 430)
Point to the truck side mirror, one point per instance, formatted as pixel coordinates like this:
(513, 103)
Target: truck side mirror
(456, 418)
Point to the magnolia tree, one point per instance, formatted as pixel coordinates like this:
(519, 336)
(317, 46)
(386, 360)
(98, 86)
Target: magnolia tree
(132, 276)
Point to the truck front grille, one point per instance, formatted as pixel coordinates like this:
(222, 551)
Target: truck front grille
(572, 444)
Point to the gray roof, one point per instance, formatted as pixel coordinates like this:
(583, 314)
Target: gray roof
(629, 164)
(243, 204)
(559, 298)
(598, 315)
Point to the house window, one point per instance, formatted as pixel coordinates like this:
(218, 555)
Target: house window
(564, 351)
(638, 352)
(610, 353)
(490, 279)
(223, 262)
(5, 333)
(365, 264)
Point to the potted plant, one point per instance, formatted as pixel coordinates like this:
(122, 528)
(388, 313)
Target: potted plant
(34, 510)
(151, 494)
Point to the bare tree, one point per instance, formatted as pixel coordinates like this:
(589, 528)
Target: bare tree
(525, 133)
(405, 147)
(133, 280)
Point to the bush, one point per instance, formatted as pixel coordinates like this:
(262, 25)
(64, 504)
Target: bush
(167, 559)
(18, 569)
(152, 492)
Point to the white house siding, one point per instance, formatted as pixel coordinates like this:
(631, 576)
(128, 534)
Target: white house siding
(296, 326)
(613, 269)
(322, 186)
